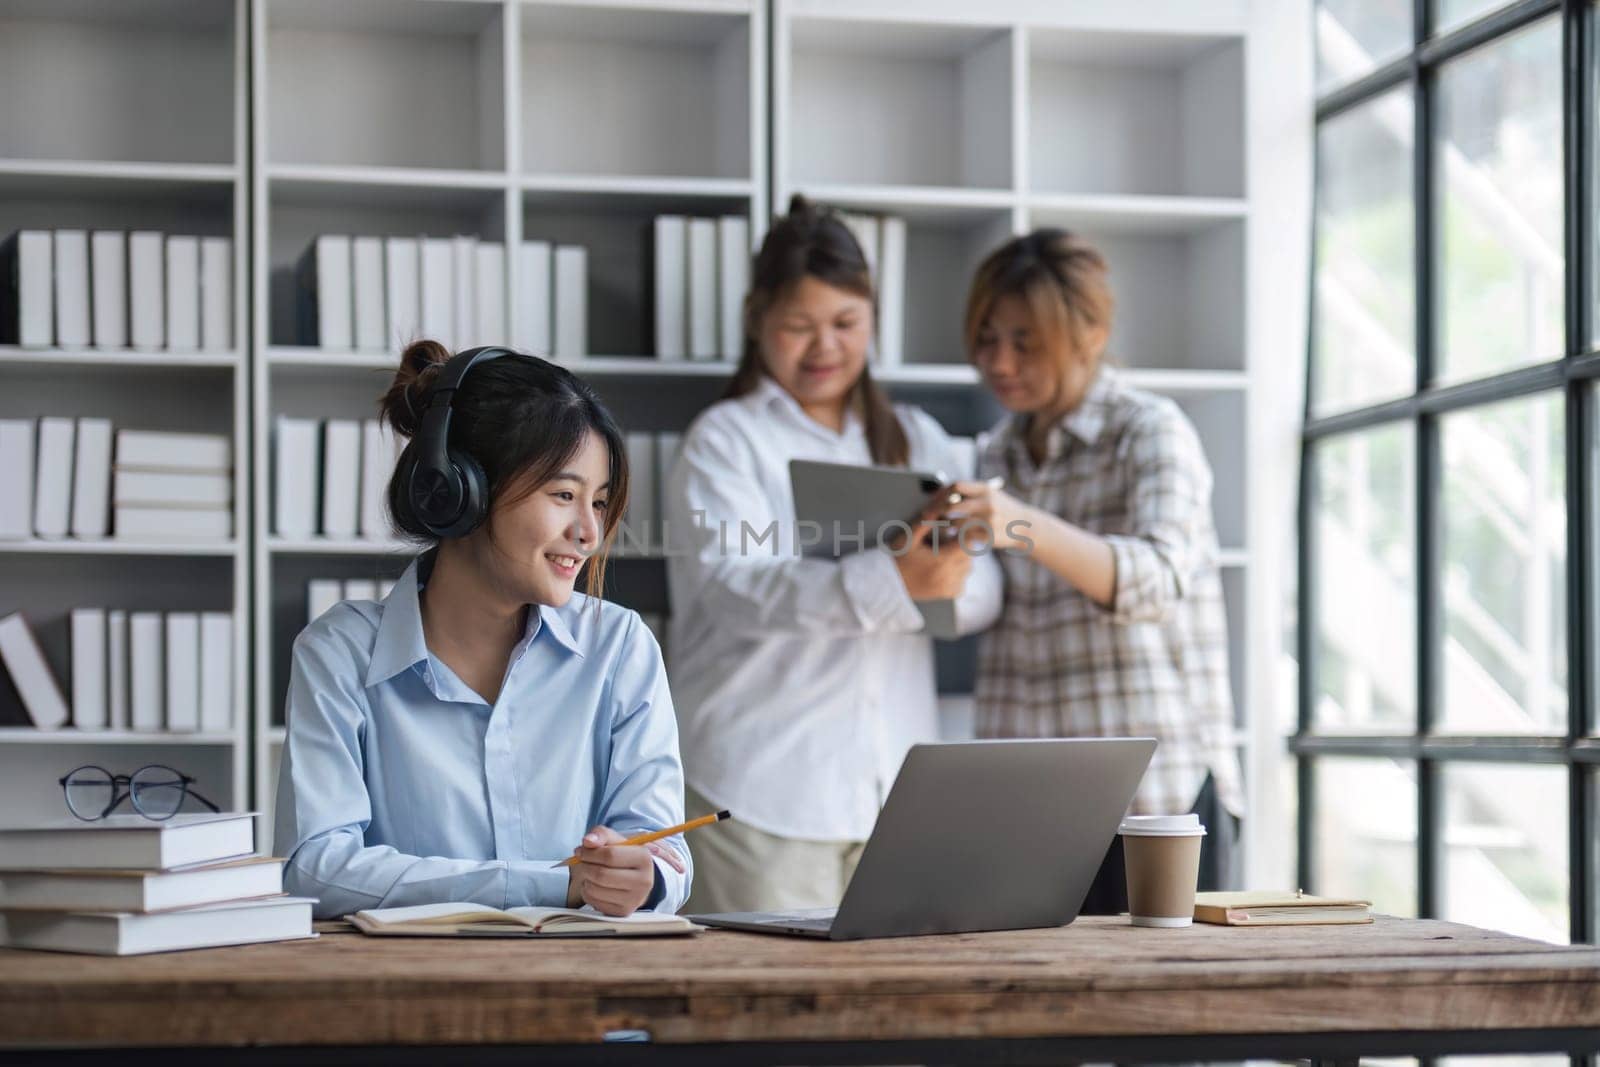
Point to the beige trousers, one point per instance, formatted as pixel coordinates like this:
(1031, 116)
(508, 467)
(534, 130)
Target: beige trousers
(740, 868)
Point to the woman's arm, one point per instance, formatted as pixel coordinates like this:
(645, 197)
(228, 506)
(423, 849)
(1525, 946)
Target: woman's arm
(323, 808)
(749, 578)
(1139, 575)
(643, 790)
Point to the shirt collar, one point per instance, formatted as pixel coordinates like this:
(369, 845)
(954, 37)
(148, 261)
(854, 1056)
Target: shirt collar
(400, 643)
(768, 394)
(1085, 422)
(1089, 418)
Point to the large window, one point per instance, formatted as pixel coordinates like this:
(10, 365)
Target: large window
(1449, 759)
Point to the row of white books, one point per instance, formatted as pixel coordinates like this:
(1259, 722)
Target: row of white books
(331, 478)
(75, 478)
(701, 269)
(323, 593)
(883, 242)
(145, 671)
(109, 289)
(127, 885)
(650, 459)
(378, 294)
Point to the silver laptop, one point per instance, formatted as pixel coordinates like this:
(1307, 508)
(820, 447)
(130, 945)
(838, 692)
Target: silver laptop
(979, 835)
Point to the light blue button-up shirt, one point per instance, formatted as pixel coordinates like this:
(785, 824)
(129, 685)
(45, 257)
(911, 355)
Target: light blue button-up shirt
(401, 785)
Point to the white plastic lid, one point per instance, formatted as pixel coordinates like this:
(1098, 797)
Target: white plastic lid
(1162, 826)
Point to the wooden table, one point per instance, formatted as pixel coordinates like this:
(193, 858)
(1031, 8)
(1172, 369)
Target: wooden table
(1099, 989)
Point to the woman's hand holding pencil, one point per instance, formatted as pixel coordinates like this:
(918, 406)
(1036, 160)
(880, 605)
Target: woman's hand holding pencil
(615, 874)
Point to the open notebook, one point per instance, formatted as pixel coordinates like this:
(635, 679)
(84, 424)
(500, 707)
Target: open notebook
(479, 920)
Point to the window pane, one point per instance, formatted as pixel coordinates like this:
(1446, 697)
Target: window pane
(1358, 36)
(1505, 568)
(1498, 177)
(1366, 584)
(1366, 844)
(1505, 848)
(1364, 348)
(1448, 14)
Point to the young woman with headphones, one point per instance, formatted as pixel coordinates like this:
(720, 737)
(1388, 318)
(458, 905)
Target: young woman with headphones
(455, 740)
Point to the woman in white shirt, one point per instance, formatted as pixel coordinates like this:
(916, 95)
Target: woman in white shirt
(801, 683)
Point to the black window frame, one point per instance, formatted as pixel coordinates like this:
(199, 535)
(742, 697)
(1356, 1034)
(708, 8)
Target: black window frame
(1574, 374)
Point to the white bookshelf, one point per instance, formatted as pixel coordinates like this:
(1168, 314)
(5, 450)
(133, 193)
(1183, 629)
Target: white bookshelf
(579, 121)
(512, 120)
(1125, 123)
(127, 115)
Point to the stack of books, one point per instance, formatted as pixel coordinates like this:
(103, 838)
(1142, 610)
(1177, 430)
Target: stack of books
(109, 289)
(127, 885)
(173, 486)
(74, 478)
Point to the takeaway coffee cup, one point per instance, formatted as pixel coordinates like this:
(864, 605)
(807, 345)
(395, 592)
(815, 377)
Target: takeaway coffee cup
(1162, 856)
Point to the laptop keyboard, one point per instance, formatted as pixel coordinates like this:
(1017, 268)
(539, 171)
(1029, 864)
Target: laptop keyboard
(810, 919)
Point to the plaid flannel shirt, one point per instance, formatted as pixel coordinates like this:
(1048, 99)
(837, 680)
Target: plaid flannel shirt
(1126, 465)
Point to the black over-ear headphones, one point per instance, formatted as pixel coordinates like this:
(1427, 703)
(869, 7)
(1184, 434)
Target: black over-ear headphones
(446, 488)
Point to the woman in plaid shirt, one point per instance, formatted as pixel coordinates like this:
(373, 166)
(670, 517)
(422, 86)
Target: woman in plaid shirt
(1113, 622)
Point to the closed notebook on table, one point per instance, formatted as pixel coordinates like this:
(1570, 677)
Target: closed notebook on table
(1278, 908)
(478, 920)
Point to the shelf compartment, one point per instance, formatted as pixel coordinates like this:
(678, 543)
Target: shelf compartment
(1178, 297)
(32, 771)
(899, 104)
(405, 83)
(1220, 419)
(47, 587)
(315, 201)
(1131, 113)
(635, 91)
(616, 231)
(110, 80)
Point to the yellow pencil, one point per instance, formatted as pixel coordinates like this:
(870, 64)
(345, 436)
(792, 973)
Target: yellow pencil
(656, 835)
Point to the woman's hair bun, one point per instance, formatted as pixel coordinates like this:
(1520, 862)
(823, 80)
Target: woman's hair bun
(403, 403)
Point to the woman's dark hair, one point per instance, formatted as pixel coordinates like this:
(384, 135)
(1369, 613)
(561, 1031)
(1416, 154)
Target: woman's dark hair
(521, 418)
(813, 242)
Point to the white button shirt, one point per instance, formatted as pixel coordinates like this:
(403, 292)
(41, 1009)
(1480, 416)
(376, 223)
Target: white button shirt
(800, 683)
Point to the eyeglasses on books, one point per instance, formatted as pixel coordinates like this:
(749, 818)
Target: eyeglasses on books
(155, 791)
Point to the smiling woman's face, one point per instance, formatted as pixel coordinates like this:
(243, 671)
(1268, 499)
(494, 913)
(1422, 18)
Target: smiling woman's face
(544, 538)
(814, 343)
